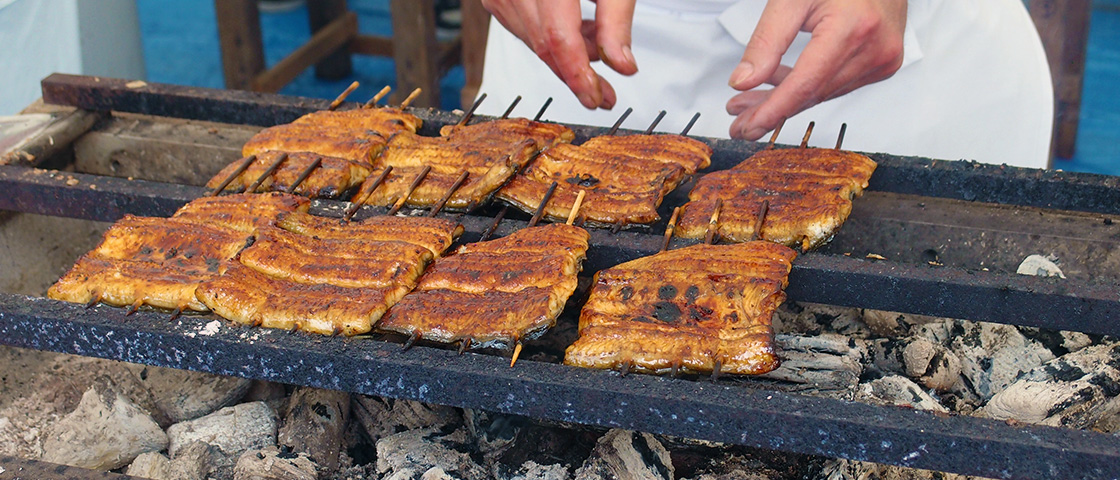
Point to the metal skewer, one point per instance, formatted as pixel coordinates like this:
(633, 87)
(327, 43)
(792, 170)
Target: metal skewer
(618, 123)
(245, 162)
(540, 208)
(692, 122)
(304, 175)
(543, 108)
(669, 229)
(411, 188)
(377, 98)
(363, 195)
(509, 110)
(447, 196)
(808, 132)
(713, 223)
(840, 138)
(470, 112)
(342, 96)
(653, 125)
(267, 173)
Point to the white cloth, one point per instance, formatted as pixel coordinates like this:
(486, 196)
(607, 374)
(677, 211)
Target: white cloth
(974, 84)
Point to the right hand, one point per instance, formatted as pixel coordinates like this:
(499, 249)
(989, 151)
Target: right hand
(556, 32)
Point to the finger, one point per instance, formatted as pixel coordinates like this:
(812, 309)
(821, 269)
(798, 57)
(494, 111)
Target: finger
(564, 50)
(614, 20)
(746, 100)
(588, 29)
(776, 29)
(740, 127)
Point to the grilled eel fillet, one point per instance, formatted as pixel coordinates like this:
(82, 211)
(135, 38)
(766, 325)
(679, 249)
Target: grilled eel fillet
(689, 309)
(149, 261)
(505, 131)
(689, 153)
(489, 166)
(496, 292)
(357, 135)
(620, 188)
(333, 278)
(434, 234)
(809, 190)
(243, 212)
(330, 179)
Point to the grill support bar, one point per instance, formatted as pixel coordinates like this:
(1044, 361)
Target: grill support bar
(694, 409)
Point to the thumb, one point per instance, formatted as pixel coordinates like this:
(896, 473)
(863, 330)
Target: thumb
(613, 21)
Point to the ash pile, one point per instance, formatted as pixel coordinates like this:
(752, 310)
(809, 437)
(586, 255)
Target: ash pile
(152, 422)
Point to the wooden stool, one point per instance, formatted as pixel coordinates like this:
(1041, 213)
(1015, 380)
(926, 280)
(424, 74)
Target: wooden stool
(420, 59)
(1063, 26)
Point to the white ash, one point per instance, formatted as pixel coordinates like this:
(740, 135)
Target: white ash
(104, 432)
(232, 429)
(413, 453)
(898, 391)
(272, 463)
(627, 455)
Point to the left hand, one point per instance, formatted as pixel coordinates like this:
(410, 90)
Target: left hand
(854, 43)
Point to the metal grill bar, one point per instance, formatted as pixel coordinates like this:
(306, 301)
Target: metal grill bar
(694, 409)
(1058, 304)
(959, 180)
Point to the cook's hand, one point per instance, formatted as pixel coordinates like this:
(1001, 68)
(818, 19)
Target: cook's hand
(559, 36)
(854, 43)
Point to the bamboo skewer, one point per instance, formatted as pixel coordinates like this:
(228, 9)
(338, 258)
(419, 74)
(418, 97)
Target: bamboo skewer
(494, 225)
(840, 138)
(691, 123)
(774, 136)
(364, 194)
(713, 223)
(765, 207)
(670, 228)
(411, 188)
(618, 123)
(544, 107)
(377, 98)
(470, 112)
(342, 96)
(516, 352)
(304, 175)
(575, 207)
(411, 96)
(808, 132)
(267, 173)
(653, 125)
(540, 208)
(447, 196)
(245, 162)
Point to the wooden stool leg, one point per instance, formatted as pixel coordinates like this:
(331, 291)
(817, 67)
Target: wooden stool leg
(321, 13)
(476, 26)
(415, 50)
(239, 33)
(1063, 26)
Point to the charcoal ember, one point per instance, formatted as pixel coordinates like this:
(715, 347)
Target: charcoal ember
(232, 429)
(428, 453)
(1059, 342)
(194, 462)
(893, 324)
(627, 455)
(825, 362)
(1077, 390)
(509, 442)
(743, 463)
(899, 391)
(994, 355)
(314, 423)
(841, 469)
(811, 318)
(381, 417)
(274, 463)
(105, 431)
(930, 364)
(185, 395)
(268, 392)
(534, 471)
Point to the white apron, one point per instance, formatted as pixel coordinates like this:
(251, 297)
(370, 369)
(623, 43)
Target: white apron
(974, 83)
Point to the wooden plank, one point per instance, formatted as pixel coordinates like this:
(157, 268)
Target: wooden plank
(239, 35)
(56, 137)
(476, 26)
(416, 51)
(371, 45)
(321, 13)
(322, 44)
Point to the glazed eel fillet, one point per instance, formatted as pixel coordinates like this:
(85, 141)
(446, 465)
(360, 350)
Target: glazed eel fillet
(625, 178)
(356, 135)
(494, 293)
(506, 131)
(161, 261)
(809, 192)
(330, 179)
(488, 165)
(695, 309)
(317, 275)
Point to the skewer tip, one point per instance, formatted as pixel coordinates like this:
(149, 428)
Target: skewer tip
(175, 314)
(464, 344)
(808, 133)
(575, 207)
(516, 353)
(412, 339)
(377, 98)
(411, 96)
(342, 96)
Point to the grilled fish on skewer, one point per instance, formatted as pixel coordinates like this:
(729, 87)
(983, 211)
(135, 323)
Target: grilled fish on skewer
(434, 234)
(242, 212)
(383, 120)
(809, 193)
(332, 178)
(689, 153)
(461, 297)
(160, 240)
(246, 296)
(504, 131)
(488, 166)
(689, 309)
(122, 283)
(357, 135)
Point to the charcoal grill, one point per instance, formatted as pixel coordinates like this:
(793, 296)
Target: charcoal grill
(915, 213)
